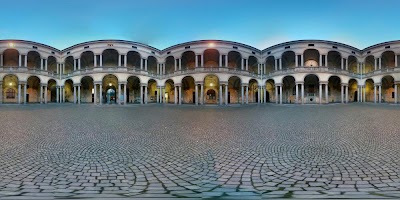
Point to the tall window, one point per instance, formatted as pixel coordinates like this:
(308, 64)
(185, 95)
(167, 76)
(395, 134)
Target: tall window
(10, 93)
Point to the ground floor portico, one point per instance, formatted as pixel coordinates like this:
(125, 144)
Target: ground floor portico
(198, 89)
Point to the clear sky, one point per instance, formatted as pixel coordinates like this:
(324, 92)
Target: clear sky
(162, 23)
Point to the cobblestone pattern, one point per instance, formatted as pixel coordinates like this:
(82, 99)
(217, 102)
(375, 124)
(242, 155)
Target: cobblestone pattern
(268, 151)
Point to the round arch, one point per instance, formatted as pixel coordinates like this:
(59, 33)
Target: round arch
(10, 88)
(288, 59)
(33, 89)
(10, 58)
(110, 58)
(234, 90)
(288, 89)
(311, 88)
(52, 90)
(334, 59)
(87, 89)
(311, 58)
(270, 64)
(334, 89)
(87, 59)
(34, 60)
(211, 58)
(133, 90)
(388, 89)
(211, 89)
(188, 60)
(133, 59)
(270, 90)
(169, 94)
(234, 60)
(388, 59)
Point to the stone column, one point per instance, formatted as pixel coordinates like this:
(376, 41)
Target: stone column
(19, 93)
(175, 95)
(45, 94)
(347, 65)
(74, 93)
(57, 94)
(276, 94)
(95, 60)
(242, 64)
(202, 93)
(374, 93)
(320, 60)
(119, 94)
(145, 65)
(125, 60)
(119, 60)
(247, 64)
(141, 94)
(341, 92)
(302, 59)
(226, 94)
(41, 94)
(296, 60)
(196, 87)
(196, 61)
(220, 60)
(265, 94)
(145, 95)
(74, 65)
(79, 94)
(347, 94)
(395, 60)
(320, 93)
(302, 93)
(101, 94)
(281, 94)
(297, 93)
(242, 94)
(141, 64)
(125, 97)
(380, 63)
(247, 94)
(180, 64)
(79, 64)
(220, 94)
(380, 93)
(19, 60)
(259, 95)
(202, 60)
(326, 93)
(180, 95)
(1, 92)
(364, 99)
(341, 64)
(395, 93)
(25, 87)
(175, 65)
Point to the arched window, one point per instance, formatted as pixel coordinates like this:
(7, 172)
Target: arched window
(10, 93)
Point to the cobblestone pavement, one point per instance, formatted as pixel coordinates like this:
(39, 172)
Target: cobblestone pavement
(251, 152)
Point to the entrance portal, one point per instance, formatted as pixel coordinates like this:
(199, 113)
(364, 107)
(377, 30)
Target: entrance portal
(110, 95)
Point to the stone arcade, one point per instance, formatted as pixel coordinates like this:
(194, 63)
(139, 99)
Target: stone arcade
(198, 72)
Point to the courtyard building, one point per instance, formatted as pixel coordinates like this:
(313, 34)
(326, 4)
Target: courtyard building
(198, 72)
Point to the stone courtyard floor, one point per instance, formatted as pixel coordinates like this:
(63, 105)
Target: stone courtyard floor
(159, 151)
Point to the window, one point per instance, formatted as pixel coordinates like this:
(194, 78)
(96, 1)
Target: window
(10, 93)
(392, 94)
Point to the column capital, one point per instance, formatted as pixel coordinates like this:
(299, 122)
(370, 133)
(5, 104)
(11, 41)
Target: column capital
(223, 82)
(323, 82)
(245, 84)
(42, 84)
(344, 84)
(143, 84)
(21, 82)
(77, 84)
(123, 82)
(178, 84)
(377, 84)
(299, 82)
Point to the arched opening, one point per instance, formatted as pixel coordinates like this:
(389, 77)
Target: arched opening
(352, 62)
(10, 89)
(253, 65)
(188, 60)
(33, 89)
(34, 60)
(270, 90)
(110, 58)
(369, 64)
(133, 59)
(234, 60)
(211, 58)
(69, 65)
(51, 90)
(270, 64)
(133, 90)
(69, 90)
(334, 60)
(152, 91)
(311, 58)
(87, 59)
(110, 93)
(353, 93)
(369, 90)
(10, 58)
(311, 89)
(52, 64)
(211, 82)
(188, 90)
(169, 65)
(87, 90)
(234, 90)
(152, 65)
(288, 90)
(169, 94)
(253, 91)
(388, 59)
(388, 89)
(334, 89)
(288, 60)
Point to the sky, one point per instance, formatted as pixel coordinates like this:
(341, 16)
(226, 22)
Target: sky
(163, 23)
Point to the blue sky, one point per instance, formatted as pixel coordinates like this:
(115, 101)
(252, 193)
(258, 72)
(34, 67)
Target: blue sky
(162, 23)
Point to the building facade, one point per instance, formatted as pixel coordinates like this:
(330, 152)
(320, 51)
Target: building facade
(198, 72)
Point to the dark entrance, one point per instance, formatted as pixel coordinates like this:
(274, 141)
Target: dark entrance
(267, 96)
(194, 97)
(229, 97)
(355, 96)
(256, 97)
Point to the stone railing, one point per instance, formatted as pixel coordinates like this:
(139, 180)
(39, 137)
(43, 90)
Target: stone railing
(311, 70)
(211, 70)
(381, 71)
(15, 69)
